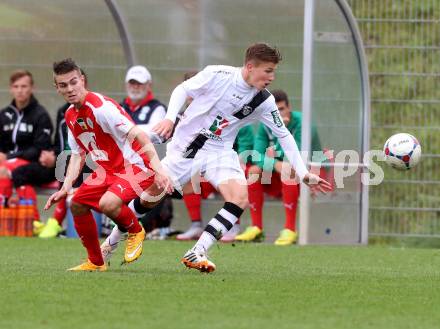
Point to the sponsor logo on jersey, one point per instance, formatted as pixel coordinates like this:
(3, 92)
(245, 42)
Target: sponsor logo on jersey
(210, 135)
(218, 125)
(8, 127)
(246, 110)
(222, 72)
(276, 118)
(237, 96)
(81, 123)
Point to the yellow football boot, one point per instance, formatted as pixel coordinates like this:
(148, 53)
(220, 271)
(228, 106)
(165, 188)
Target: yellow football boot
(37, 227)
(133, 246)
(252, 233)
(286, 238)
(51, 229)
(88, 267)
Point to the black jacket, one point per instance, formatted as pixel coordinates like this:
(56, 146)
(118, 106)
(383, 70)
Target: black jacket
(24, 134)
(60, 140)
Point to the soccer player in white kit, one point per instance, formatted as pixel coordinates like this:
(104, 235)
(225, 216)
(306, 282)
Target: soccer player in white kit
(225, 99)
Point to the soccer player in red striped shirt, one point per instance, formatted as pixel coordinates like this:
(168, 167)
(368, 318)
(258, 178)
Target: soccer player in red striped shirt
(127, 164)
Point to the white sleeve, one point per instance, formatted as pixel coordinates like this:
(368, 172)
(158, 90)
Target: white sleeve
(177, 100)
(112, 121)
(293, 155)
(271, 118)
(76, 149)
(157, 116)
(199, 83)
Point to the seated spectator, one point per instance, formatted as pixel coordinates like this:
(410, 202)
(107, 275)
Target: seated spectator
(25, 131)
(273, 166)
(140, 103)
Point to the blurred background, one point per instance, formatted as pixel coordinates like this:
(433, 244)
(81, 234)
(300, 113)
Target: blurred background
(401, 40)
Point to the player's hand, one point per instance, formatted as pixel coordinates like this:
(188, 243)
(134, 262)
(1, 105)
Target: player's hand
(164, 128)
(54, 198)
(271, 153)
(316, 184)
(47, 159)
(163, 182)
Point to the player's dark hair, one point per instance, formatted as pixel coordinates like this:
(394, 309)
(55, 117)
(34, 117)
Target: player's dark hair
(65, 66)
(20, 74)
(280, 96)
(262, 52)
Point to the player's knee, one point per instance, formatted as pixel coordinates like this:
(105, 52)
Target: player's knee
(149, 204)
(109, 207)
(152, 196)
(4, 172)
(78, 209)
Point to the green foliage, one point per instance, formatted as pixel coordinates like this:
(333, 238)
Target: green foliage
(401, 39)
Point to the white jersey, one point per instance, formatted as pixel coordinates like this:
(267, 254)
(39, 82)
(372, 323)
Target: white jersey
(219, 123)
(219, 92)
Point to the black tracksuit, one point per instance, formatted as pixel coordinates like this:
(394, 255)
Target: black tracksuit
(24, 134)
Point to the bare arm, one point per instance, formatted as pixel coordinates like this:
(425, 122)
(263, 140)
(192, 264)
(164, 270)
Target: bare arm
(73, 170)
(162, 179)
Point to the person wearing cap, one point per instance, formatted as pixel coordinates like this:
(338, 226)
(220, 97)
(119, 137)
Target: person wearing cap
(146, 111)
(140, 104)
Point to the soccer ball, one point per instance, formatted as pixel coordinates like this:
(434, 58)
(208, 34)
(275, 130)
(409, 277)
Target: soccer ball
(402, 151)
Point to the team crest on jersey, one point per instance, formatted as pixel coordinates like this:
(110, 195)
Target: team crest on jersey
(218, 125)
(81, 123)
(90, 122)
(246, 110)
(276, 118)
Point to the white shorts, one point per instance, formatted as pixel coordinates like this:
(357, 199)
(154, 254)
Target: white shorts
(216, 167)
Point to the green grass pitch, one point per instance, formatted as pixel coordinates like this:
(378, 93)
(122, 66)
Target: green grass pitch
(255, 286)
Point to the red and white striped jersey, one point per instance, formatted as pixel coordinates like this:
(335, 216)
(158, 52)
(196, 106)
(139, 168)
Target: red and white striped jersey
(100, 128)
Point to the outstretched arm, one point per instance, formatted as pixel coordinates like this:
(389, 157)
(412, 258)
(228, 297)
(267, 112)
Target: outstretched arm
(314, 182)
(178, 98)
(73, 170)
(162, 179)
(272, 119)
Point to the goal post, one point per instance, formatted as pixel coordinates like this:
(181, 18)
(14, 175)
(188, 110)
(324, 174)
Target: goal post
(335, 101)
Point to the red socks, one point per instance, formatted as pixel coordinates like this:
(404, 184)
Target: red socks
(85, 225)
(6, 187)
(290, 195)
(193, 203)
(127, 220)
(290, 199)
(256, 199)
(206, 189)
(60, 211)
